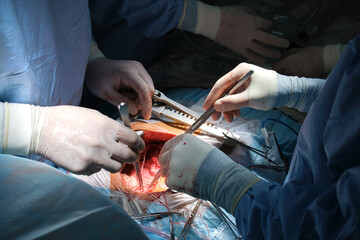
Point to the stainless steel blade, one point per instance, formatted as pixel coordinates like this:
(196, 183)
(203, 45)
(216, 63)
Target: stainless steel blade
(178, 116)
(160, 97)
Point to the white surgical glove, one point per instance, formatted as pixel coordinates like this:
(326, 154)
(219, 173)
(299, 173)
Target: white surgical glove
(302, 62)
(118, 81)
(78, 139)
(200, 169)
(312, 61)
(233, 27)
(264, 90)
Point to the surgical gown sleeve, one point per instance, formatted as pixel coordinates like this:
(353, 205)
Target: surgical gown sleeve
(148, 17)
(44, 47)
(39, 202)
(320, 198)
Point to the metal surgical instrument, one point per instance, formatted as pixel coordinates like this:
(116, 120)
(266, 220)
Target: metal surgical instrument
(156, 214)
(124, 113)
(202, 119)
(211, 110)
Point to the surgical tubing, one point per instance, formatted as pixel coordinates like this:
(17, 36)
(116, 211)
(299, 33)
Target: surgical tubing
(155, 231)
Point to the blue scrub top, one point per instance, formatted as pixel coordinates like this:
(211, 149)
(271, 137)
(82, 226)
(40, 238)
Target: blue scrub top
(321, 195)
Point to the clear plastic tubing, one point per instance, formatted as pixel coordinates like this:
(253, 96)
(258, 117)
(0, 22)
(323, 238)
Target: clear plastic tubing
(155, 231)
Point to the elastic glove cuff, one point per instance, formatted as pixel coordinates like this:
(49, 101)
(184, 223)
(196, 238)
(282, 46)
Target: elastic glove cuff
(188, 18)
(94, 52)
(200, 18)
(331, 54)
(222, 181)
(16, 128)
(297, 92)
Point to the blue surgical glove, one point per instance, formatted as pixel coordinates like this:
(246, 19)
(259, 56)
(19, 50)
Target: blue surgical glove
(200, 169)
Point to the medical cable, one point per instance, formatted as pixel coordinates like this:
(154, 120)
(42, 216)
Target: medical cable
(263, 154)
(278, 121)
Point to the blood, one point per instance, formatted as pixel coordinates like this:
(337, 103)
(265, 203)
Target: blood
(149, 165)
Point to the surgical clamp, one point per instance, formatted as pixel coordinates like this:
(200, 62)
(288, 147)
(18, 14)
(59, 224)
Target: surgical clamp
(124, 113)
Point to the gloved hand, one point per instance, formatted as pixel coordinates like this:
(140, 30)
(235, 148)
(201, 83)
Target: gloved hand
(264, 90)
(116, 80)
(82, 140)
(200, 169)
(233, 27)
(245, 33)
(302, 62)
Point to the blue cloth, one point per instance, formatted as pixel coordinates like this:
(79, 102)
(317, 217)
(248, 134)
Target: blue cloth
(44, 48)
(134, 30)
(320, 197)
(40, 202)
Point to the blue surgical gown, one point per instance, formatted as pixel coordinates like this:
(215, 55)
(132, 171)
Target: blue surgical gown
(320, 198)
(39, 202)
(44, 48)
(134, 30)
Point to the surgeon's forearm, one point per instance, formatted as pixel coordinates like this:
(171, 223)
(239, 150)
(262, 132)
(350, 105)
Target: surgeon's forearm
(297, 92)
(257, 214)
(222, 181)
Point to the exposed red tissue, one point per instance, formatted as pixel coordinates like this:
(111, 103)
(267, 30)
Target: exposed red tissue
(155, 136)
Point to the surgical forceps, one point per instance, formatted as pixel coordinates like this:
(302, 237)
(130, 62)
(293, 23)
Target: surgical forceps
(211, 110)
(124, 113)
(202, 119)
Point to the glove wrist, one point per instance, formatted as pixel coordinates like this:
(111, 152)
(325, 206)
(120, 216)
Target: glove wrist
(200, 18)
(331, 54)
(95, 52)
(38, 117)
(222, 181)
(297, 92)
(16, 128)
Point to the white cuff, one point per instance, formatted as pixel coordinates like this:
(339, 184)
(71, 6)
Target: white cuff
(17, 129)
(94, 52)
(208, 20)
(331, 54)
